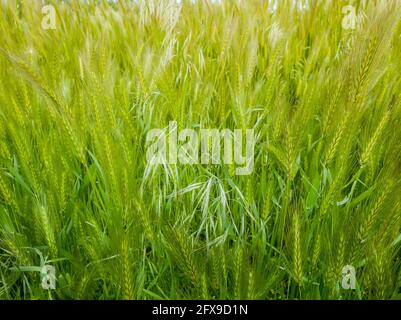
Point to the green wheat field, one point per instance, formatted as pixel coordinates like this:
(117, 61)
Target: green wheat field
(319, 85)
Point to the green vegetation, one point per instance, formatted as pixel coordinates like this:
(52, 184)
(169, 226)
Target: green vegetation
(76, 190)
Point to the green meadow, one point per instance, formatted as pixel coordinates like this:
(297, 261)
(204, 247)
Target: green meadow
(319, 216)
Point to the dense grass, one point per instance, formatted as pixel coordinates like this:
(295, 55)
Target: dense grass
(77, 102)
